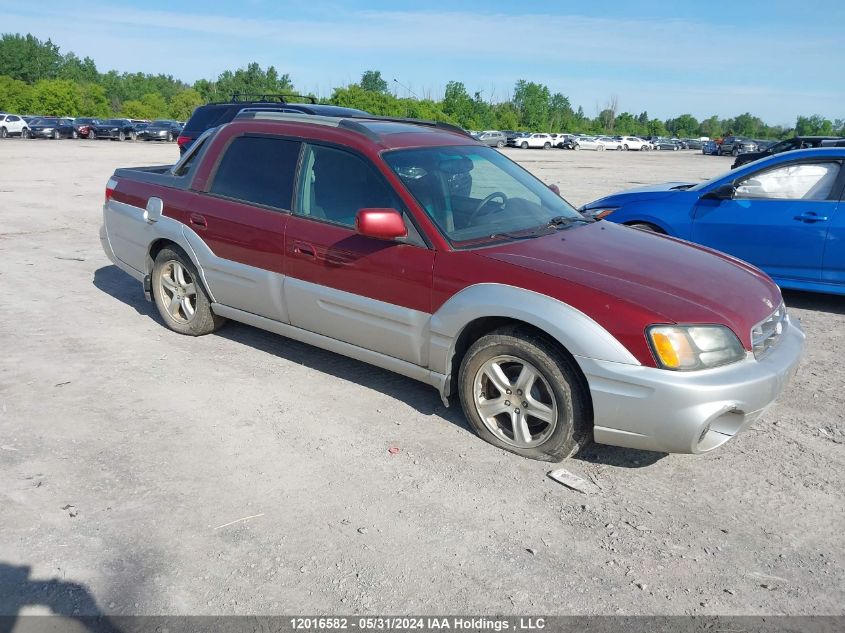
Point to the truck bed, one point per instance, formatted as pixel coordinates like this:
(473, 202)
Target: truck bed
(156, 174)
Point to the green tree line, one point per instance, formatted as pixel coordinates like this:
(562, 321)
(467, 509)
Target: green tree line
(35, 77)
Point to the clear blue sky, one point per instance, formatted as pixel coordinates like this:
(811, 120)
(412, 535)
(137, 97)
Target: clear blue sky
(776, 59)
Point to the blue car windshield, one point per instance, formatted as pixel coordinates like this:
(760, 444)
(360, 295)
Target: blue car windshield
(472, 193)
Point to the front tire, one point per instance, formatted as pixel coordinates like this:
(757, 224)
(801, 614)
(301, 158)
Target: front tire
(524, 145)
(179, 295)
(520, 392)
(3, 132)
(56, 135)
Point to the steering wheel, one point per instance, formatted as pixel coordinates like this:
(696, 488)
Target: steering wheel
(485, 202)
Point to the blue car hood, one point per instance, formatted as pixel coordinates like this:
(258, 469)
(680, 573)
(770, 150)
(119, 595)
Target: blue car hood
(646, 192)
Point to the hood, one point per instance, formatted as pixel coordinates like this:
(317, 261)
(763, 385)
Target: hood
(666, 279)
(646, 192)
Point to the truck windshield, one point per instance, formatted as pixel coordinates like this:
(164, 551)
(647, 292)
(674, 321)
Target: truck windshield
(472, 193)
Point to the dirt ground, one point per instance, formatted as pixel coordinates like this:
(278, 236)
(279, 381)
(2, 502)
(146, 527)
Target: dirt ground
(144, 472)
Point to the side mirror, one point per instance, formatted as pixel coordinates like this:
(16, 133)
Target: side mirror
(555, 188)
(722, 192)
(381, 224)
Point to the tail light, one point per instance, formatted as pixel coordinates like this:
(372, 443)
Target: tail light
(182, 141)
(111, 185)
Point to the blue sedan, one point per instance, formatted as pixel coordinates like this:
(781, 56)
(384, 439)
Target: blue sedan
(784, 214)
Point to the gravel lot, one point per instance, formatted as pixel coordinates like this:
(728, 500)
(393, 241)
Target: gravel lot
(128, 454)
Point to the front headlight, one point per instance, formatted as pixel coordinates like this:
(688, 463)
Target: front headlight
(690, 347)
(599, 212)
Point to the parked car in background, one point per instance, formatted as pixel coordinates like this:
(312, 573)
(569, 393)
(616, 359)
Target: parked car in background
(160, 130)
(340, 233)
(559, 140)
(84, 125)
(736, 145)
(790, 144)
(513, 141)
(833, 142)
(782, 213)
(635, 143)
(710, 147)
(665, 144)
(693, 143)
(13, 125)
(535, 141)
(52, 127)
(612, 143)
(211, 115)
(493, 138)
(587, 142)
(113, 129)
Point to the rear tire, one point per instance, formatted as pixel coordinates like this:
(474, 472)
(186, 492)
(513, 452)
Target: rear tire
(179, 294)
(547, 145)
(121, 136)
(625, 147)
(3, 132)
(548, 416)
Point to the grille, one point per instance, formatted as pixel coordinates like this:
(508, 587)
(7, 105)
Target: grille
(767, 334)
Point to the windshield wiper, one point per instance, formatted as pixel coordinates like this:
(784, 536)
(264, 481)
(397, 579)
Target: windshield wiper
(522, 235)
(564, 221)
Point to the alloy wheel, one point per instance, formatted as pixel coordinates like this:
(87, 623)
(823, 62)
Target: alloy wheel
(178, 291)
(515, 401)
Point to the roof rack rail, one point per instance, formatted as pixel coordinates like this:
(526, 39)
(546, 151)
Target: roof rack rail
(440, 125)
(238, 97)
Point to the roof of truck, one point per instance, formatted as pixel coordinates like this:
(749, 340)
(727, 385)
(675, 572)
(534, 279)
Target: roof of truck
(388, 132)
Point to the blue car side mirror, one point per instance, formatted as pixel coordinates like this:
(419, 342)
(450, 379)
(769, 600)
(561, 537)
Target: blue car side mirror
(722, 192)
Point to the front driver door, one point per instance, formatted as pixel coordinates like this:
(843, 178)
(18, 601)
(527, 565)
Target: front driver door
(375, 294)
(777, 220)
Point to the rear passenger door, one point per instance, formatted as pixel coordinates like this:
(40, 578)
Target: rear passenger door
(371, 293)
(236, 226)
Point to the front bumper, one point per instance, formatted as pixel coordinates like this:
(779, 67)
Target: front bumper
(687, 412)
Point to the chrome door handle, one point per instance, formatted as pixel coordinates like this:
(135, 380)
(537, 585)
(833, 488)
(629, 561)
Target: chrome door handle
(810, 217)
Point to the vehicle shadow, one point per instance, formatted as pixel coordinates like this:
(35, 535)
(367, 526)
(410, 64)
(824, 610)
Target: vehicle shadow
(63, 598)
(423, 398)
(816, 301)
(618, 456)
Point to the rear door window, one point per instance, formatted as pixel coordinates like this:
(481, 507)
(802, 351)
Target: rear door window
(258, 170)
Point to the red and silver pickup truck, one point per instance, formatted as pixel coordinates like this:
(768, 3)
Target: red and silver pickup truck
(413, 247)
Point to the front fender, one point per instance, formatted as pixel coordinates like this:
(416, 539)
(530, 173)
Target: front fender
(573, 329)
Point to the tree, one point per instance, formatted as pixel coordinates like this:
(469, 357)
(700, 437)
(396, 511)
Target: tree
(79, 70)
(458, 105)
(28, 58)
(684, 126)
(711, 127)
(15, 95)
(57, 97)
(607, 117)
(93, 101)
(249, 80)
(532, 103)
(183, 104)
(815, 125)
(371, 80)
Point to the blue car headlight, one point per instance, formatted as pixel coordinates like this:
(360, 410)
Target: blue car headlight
(599, 212)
